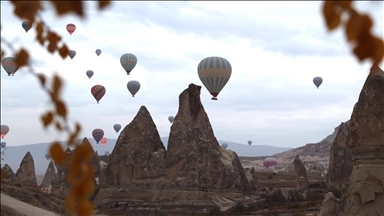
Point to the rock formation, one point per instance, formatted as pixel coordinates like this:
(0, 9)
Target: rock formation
(330, 205)
(302, 184)
(364, 192)
(49, 175)
(138, 153)
(340, 161)
(194, 157)
(25, 175)
(10, 175)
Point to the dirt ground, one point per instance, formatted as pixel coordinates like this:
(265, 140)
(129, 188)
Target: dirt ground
(17, 207)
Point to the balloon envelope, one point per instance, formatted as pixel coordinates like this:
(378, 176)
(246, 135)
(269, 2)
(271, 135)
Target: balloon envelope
(317, 81)
(4, 130)
(106, 153)
(103, 141)
(98, 52)
(97, 134)
(89, 73)
(214, 73)
(3, 144)
(133, 86)
(249, 142)
(269, 161)
(117, 127)
(26, 25)
(98, 91)
(72, 53)
(128, 61)
(9, 65)
(47, 156)
(71, 28)
(224, 145)
(171, 118)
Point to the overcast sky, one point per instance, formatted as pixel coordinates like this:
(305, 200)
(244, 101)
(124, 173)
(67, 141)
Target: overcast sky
(275, 49)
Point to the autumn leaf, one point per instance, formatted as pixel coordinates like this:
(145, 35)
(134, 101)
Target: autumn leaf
(57, 153)
(26, 9)
(365, 47)
(64, 7)
(56, 85)
(61, 109)
(22, 58)
(64, 51)
(103, 4)
(47, 119)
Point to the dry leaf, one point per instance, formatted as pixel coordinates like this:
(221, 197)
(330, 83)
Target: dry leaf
(103, 4)
(57, 153)
(52, 47)
(64, 51)
(61, 109)
(47, 119)
(42, 79)
(365, 47)
(69, 203)
(26, 9)
(56, 85)
(58, 126)
(64, 7)
(22, 58)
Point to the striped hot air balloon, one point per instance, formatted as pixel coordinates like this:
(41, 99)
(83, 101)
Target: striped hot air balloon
(98, 91)
(128, 61)
(71, 28)
(9, 65)
(214, 73)
(4, 130)
(97, 134)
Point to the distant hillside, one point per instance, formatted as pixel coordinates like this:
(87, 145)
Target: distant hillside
(14, 155)
(310, 152)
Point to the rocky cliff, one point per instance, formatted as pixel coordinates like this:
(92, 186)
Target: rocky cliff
(25, 175)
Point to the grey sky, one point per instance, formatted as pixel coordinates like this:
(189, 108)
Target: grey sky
(275, 49)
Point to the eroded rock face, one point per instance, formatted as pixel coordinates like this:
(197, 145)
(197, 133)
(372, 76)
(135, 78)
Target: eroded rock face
(340, 162)
(302, 184)
(194, 157)
(138, 153)
(49, 175)
(25, 175)
(330, 205)
(10, 175)
(364, 194)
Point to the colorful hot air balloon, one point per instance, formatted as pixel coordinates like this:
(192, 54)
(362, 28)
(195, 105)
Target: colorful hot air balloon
(117, 127)
(97, 134)
(26, 25)
(106, 153)
(103, 141)
(98, 91)
(4, 130)
(71, 28)
(269, 161)
(214, 73)
(171, 118)
(89, 73)
(9, 65)
(224, 145)
(317, 81)
(72, 53)
(128, 61)
(133, 87)
(98, 52)
(249, 142)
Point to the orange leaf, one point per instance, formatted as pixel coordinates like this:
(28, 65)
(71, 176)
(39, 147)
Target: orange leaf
(52, 37)
(22, 58)
(47, 119)
(103, 4)
(365, 47)
(64, 51)
(64, 7)
(332, 18)
(42, 79)
(378, 53)
(57, 153)
(56, 85)
(51, 47)
(61, 109)
(352, 27)
(26, 9)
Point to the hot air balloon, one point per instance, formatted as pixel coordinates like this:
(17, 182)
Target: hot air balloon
(106, 153)
(98, 52)
(3, 144)
(98, 91)
(89, 73)
(71, 28)
(117, 127)
(26, 25)
(214, 73)
(104, 141)
(133, 86)
(47, 156)
(317, 81)
(128, 61)
(269, 161)
(171, 118)
(9, 65)
(249, 142)
(4, 131)
(224, 145)
(72, 53)
(97, 134)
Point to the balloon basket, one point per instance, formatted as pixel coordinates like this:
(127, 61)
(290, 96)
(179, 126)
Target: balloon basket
(214, 98)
